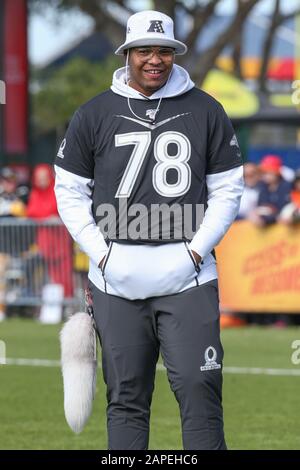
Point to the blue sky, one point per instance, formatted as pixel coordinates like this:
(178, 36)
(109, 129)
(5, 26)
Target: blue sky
(48, 37)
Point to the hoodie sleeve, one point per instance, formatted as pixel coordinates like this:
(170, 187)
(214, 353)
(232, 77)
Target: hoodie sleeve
(225, 184)
(223, 148)
(224, 193)
(74, 182)
(73, 195)
(75, 153)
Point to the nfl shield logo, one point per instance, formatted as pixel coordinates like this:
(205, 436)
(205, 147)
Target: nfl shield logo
(151, 113)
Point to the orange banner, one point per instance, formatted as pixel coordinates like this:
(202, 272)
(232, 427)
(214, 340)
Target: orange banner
(259, 268)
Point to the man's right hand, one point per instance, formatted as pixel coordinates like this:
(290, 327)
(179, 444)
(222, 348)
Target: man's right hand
(196, 257)
(101, 262)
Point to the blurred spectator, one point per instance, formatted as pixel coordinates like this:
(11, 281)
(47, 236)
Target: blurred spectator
(53, 242)
(287, 173)
(273, 194)
(290, 214)
(42, 202)
(251, 190)
(22, 171)
(10, 206)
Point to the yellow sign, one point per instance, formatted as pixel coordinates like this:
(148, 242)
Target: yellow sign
(80, 260)
(297, 47)
(234, 96)
(259, 269)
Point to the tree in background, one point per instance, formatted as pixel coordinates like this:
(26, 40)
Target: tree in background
(277, 19)
(65, 89)
(110, 18)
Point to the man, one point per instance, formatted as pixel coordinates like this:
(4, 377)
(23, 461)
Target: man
(251, 190)
(290, 213)
(274, 192)
(150, 143)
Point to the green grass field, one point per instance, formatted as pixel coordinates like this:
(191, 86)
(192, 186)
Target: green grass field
(261, 411)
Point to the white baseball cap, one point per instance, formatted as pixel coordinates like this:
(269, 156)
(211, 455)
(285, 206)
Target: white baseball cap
(151, 28)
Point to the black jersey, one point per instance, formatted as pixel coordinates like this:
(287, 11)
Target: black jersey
(139, 165)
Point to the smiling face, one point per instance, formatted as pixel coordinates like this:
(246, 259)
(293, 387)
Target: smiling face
(150, 68)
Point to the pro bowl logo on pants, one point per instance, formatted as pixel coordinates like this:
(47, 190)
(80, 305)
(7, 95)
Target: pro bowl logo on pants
(210, 357)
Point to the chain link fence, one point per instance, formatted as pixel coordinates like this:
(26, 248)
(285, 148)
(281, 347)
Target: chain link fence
(36, 254)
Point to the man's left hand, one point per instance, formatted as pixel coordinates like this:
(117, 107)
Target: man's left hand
(196, 257)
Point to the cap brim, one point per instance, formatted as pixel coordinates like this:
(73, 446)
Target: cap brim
(180, 47)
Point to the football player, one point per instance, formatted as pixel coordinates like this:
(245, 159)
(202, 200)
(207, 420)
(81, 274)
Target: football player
(148, 180)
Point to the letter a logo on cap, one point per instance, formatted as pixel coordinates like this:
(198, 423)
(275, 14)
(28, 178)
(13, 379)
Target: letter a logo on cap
(155, 27)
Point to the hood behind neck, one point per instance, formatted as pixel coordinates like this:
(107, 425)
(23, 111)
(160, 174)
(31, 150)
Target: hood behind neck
(179, 83)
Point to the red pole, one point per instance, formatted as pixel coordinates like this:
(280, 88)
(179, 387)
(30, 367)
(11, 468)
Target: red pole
(15, 77)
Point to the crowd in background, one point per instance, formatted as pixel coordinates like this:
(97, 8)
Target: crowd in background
(35, 200)
(22, 198)
(271, 194)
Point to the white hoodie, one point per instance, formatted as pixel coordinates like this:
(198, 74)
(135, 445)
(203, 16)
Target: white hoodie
(179, 82)
(141, 271)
